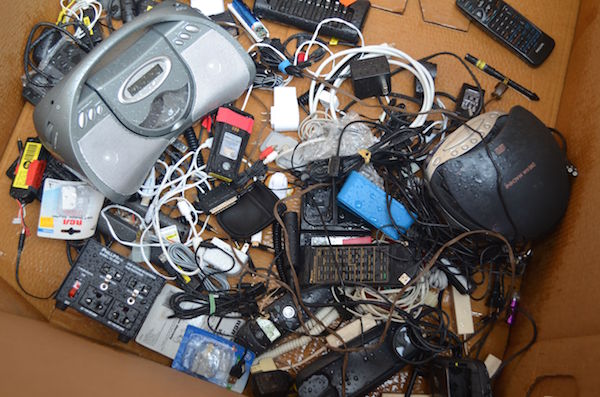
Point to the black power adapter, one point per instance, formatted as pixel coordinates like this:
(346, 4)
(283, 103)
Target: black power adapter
(271, 384)
(469, 102)
(459, 377)
(432, 69)
(371, 77)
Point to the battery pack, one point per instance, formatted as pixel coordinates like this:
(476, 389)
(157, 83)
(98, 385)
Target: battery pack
(28, 175)
(231, 133)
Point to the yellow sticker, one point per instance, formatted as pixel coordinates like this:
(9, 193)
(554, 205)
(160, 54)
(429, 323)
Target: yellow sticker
(149, 8)
(87, 22)
(172, 237)
(31, 153)
(46, 222)
(333, 41)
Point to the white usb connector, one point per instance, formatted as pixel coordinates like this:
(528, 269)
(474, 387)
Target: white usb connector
(220, 258)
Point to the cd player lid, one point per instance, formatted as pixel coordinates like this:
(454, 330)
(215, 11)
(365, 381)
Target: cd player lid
(465, 138)
(146, 85)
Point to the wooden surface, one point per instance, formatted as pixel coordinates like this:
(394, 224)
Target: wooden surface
(44, 263)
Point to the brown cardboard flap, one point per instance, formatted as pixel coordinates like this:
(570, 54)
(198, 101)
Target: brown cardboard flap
(40, 360)
(395, 6)
(567, 364)
(444, 13)
(44, 264)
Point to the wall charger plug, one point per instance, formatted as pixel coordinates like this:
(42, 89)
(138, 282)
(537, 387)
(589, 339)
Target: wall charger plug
(285, 115)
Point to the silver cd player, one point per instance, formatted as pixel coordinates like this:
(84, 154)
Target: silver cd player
(113, 115)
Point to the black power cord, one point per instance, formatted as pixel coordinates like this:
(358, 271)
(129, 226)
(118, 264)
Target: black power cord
(187, 306)
(20, 248)
(511, 358)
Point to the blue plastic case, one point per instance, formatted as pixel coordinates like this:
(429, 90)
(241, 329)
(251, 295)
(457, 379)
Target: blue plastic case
(211, 357)
(367, 201)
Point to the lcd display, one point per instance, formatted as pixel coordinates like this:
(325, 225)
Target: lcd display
(146, 79)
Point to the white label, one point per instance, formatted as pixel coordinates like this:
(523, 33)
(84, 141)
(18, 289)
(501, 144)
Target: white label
(404, 279)
(268, 328)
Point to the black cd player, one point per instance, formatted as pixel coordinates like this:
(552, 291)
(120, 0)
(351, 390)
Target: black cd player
(502, 172)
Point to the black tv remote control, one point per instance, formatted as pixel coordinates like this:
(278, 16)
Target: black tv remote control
(511, 28)
(378, 265)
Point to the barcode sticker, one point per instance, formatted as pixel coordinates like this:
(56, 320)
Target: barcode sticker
(31, 153)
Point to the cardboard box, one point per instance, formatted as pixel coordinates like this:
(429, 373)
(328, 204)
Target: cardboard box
(559, 288)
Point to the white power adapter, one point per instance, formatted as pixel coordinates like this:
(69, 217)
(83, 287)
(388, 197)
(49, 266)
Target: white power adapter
(285, 115)
(221, 258)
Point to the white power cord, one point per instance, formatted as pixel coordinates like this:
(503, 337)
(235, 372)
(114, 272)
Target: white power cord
(170, 190)
(415, 296)
(74, 10)
(395, 57)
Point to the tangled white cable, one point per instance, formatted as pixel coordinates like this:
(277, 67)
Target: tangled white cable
(171, 190)
(74, 10)
(395, 57)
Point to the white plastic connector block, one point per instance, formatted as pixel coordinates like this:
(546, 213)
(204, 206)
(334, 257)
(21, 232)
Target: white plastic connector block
(463, 313)
(326, 101)
(285, 115)
(492, 363)
(220, 259)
